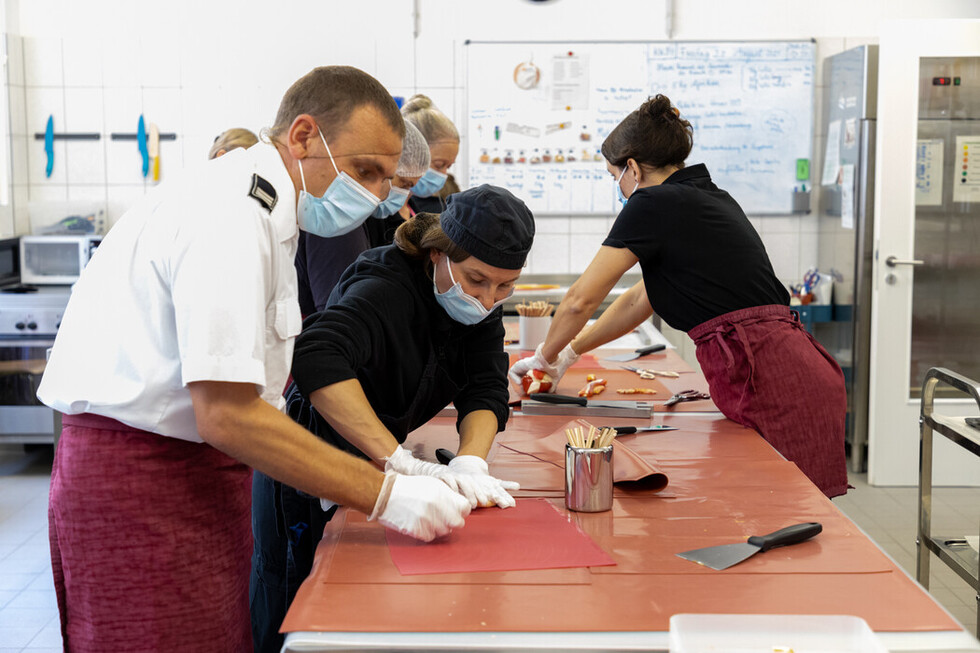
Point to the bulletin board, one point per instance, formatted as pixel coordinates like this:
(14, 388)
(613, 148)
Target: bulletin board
(537, 113)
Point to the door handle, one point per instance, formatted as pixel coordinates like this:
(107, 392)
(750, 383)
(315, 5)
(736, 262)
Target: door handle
(892, 261)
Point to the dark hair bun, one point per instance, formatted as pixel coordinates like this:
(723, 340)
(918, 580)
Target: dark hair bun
(659, 109)
(654, 135)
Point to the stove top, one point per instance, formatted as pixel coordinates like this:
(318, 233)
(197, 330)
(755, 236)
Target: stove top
(32, 314)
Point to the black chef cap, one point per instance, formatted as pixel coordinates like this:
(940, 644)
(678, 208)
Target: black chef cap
(488, 222)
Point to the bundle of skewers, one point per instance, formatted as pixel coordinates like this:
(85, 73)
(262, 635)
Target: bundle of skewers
(592, 439)
(535, 309)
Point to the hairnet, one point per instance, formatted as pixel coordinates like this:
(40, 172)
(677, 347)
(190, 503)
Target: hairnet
(415, 153)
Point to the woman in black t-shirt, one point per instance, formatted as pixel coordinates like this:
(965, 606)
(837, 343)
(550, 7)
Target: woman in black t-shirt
(705, 271)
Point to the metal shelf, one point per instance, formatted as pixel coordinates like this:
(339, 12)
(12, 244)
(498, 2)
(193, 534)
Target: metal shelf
(957, 555)
(954, 552)
(957, 430)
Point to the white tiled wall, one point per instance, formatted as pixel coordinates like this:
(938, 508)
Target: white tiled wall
(196, 68)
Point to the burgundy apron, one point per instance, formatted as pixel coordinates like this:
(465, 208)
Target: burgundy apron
(766, 372)
(150, 541)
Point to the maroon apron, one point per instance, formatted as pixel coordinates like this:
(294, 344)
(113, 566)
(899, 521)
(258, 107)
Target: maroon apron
(150, 541)
(765, 371)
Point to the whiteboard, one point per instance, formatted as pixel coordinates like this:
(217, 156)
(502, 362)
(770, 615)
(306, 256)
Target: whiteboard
(750, 103)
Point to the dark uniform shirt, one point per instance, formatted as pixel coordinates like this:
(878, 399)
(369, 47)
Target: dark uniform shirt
(383, 327)
(382, 232)
(320, 262)
(431, 204)
(699, 255)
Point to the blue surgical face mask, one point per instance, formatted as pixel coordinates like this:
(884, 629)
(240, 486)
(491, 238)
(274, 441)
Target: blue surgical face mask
(430, 183)
(392, 204)
(344, 206)
(619, 191)
(461, 307)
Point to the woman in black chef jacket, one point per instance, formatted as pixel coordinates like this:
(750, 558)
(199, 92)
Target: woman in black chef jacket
(409, 328)
(706, 272)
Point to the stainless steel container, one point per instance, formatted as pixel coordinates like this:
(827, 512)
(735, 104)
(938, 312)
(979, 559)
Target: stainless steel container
(588, 479)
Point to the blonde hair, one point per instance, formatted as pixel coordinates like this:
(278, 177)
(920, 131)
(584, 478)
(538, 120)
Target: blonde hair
(231, 139)
(434, 124)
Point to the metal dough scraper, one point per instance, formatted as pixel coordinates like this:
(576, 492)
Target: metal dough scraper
(727, 555)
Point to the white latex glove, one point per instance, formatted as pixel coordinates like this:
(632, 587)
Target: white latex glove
(419, 506)
(556, 370)
(402, 461)
(475, 483)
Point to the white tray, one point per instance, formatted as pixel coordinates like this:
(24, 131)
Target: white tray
(771, 633)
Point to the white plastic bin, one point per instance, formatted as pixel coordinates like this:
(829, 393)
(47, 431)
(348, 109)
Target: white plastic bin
(771, 633)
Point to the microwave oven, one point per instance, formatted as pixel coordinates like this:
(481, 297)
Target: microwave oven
(55, 259)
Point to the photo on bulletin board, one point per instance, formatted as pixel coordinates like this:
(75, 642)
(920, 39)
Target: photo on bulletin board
(538, 112)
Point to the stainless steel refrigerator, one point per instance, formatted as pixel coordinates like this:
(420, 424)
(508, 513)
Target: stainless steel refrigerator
(845, 240)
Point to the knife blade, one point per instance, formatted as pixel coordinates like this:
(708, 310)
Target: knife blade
(633, 355)
(549, 398)
(627, 430)
(726, 555)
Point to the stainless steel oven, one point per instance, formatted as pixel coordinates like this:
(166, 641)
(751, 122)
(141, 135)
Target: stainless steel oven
(29, 320)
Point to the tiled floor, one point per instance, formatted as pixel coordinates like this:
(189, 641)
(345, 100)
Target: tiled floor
(29, 613)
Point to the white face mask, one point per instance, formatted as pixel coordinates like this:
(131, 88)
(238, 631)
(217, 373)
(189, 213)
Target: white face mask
(392, 204)
(343, 207)
(464, 308)
(430, 183)
(619, 191)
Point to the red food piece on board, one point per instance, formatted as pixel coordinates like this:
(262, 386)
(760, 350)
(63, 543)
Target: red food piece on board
(536, 381)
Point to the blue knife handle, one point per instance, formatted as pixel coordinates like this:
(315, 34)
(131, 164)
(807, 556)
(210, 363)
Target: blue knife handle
(785, 536)
(549, 398)
(141, 142)
(49, 146)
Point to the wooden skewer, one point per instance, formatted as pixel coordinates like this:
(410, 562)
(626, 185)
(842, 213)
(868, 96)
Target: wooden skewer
(535, 309)
(608, 435)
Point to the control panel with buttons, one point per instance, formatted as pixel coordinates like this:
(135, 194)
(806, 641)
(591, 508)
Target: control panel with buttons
(32, 315)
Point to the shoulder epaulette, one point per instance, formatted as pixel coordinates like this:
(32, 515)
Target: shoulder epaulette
(263, 191)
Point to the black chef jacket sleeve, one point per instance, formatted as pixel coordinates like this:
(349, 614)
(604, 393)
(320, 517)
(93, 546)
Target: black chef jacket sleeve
(486, 369)
(348, 334)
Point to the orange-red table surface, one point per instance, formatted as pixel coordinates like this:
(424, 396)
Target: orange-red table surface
(619, 378)
(725, 483)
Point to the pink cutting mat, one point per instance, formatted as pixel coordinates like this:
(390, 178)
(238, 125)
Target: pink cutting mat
(531, 535)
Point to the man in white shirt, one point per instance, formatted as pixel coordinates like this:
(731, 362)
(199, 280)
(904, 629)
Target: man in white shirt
(182, 326)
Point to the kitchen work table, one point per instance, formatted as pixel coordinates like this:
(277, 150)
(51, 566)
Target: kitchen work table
(723, 484)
